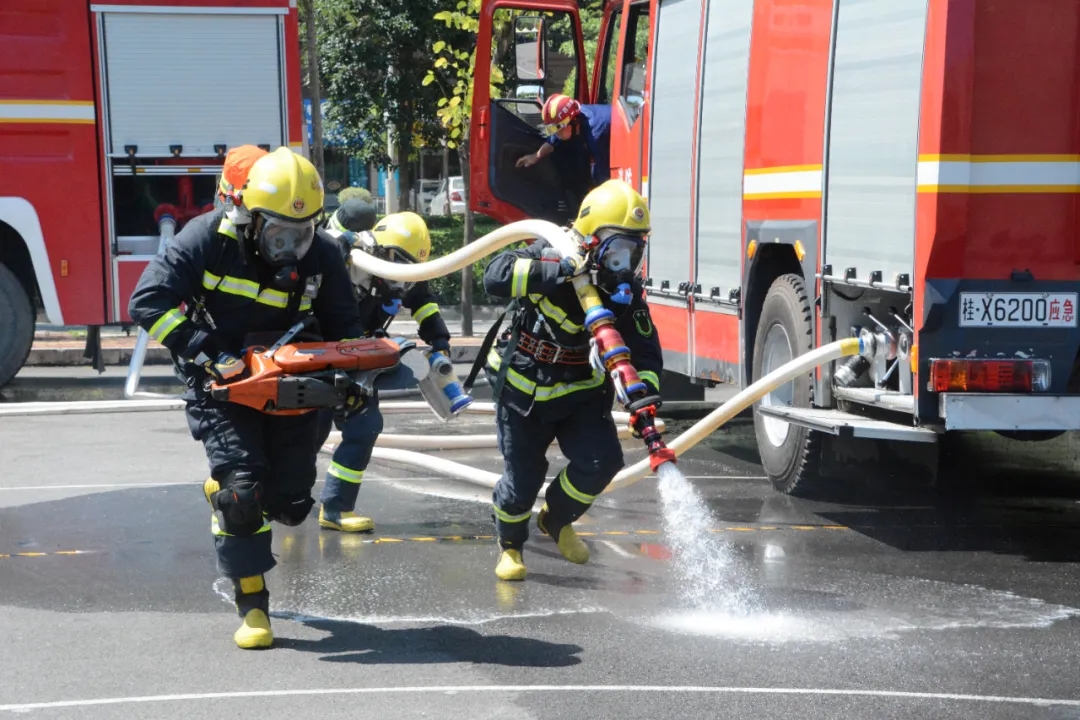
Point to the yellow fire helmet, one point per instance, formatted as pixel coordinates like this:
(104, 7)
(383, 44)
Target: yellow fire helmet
(284, 185)
(613, 206)
(403, 237)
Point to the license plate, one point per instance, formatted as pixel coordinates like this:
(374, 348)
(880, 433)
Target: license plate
(1018, 310)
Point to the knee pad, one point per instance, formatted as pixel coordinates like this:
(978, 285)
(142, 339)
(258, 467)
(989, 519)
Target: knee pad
(291, 511)
(239, 503)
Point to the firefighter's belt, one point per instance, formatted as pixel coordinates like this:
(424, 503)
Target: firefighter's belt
(553, 353)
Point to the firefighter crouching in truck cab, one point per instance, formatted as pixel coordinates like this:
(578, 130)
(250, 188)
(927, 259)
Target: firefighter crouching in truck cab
(243, 286)
(584, 130)
(544, 385)
(403, 238)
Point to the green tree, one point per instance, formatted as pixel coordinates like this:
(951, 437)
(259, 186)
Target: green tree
(372, 61)
(591, 13)
(452, 76)
(354, 192)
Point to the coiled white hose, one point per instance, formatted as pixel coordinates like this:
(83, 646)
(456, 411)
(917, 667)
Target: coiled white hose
(565, 244)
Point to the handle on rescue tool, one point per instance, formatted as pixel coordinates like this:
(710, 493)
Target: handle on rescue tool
(289, 335)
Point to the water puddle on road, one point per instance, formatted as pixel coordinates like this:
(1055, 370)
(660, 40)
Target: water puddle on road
(861, 610)
(714, 593)
(692, 581)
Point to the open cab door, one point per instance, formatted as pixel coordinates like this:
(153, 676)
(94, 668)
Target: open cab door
(526, 51)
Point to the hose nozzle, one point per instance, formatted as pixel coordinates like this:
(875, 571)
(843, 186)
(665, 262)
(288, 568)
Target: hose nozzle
(643, 421)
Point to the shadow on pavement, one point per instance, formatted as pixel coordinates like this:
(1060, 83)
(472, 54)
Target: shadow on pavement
(370, 645)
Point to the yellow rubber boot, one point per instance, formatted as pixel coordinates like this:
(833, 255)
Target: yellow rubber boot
(255, 633)
(570, 545)
(348, 522)
(252, 602)
(511, 566)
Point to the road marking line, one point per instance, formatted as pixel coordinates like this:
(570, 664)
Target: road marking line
(103, 486)
(474, 538)
(504, 689)
(45, 554)
(198, 483)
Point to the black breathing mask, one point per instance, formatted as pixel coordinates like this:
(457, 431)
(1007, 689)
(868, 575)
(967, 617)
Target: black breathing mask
(281, 243)
(618, 261)
(390, 292)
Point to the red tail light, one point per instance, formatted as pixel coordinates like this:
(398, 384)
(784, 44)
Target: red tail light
(990, 375)
(455, 196)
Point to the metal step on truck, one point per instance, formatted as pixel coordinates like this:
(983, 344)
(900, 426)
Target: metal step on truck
(907, 171)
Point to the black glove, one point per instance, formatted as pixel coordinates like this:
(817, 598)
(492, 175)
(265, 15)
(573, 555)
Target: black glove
(225, 368)
(571, 265)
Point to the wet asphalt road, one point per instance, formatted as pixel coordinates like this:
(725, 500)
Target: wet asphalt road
(888, 604)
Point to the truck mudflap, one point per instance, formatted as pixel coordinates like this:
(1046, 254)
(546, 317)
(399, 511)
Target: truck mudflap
(997, 411)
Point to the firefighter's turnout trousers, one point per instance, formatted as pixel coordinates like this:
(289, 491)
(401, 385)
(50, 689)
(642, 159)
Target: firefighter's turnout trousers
(359, 431)
(245, 446)
(587, 437)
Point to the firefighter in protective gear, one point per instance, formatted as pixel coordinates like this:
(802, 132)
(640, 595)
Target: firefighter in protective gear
(218, 289)
(234, 174)
(355, 215)
(585, 130)
(544, 385)
(401, 237)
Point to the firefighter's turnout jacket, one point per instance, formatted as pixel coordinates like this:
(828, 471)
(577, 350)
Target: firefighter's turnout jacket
(550, 363)
(208, 287)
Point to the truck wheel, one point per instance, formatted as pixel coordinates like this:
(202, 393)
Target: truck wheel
(790, 454)
(16, 325)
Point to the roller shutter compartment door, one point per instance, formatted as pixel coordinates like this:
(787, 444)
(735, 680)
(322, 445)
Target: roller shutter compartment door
(193, 80)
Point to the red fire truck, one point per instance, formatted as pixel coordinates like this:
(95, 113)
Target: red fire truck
(907, 171)
(109, 112)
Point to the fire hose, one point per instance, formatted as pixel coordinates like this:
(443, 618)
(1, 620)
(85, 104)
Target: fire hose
(609, 353)
(695, 434)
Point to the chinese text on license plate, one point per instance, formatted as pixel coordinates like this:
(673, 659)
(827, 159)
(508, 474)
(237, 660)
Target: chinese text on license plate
(1017, 309)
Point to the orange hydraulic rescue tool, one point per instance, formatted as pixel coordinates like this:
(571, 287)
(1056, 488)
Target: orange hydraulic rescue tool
(293, 379)
(610, 354)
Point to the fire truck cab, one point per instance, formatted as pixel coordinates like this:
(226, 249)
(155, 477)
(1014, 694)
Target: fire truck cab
(904, 171)
(114, 118)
